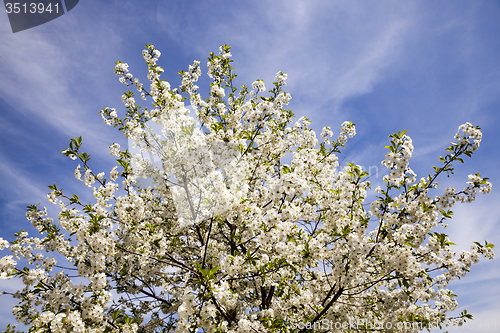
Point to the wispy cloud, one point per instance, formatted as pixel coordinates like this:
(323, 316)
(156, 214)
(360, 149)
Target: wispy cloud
(323, 46)
(368, 68)
(48, 80)
(476, 221)
(19, 183)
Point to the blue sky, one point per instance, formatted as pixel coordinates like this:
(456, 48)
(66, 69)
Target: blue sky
(421, 66)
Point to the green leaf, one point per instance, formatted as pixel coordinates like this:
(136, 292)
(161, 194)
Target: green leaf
(446, 214)
(188, 130)
(211, 273)
(52, 187)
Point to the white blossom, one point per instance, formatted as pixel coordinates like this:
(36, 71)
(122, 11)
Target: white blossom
(247, 224)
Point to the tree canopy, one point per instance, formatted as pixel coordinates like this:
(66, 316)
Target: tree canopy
(230, 237)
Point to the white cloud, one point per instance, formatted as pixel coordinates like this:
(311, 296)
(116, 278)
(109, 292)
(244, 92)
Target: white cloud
(368, 68)
(19, 183)
(476, 221)
(338, 49)
(47, 79)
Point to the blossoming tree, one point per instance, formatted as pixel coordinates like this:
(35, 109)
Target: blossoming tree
(230, 238)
